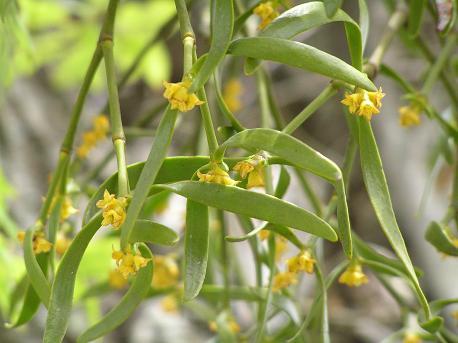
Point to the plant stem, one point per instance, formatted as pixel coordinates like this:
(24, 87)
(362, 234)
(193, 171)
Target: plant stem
(440, 63)
(119, 139)
(322, 98)
(207, 122)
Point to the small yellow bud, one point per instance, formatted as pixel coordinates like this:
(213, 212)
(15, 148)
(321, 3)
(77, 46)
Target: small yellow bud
(39, 243)
(281, 246)
(254, 168)
(116, 279)
(411, 337)
(216, 175)
(301, 262)
(353, 276)
(67, 209)
(62, 244)
(263, 234)
(21, 236)
(113, 209)
(128, 263)
(169, 303)
(166, 272)
(243, 168)
(231, 94)
(409, 115)
(178, 96)
(283, 280)
(267, 12)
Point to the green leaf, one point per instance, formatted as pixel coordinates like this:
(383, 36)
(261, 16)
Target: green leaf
(128, 303)
(149, 173)
(300, 155)
(254, 205)
(432, 325)
(437, 236)
(34, 272)
(377, 189)
(416, 9)
(283, 183)
(222, 23)
(215, 292)
(151, 232)
(438, 305)
(310, 15)
(60, 302)
(29, 307)
(302, 56)
(195, 248)
(332, 6)
(364, 21)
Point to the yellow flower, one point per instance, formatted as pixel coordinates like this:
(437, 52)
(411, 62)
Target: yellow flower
(301, 262)
(264, 234)
(113, 209)
(353, 276)
(169, 303)
(254, 168)
(455, 315)
(128, 263)
(267, 12)
(216, 175)
(100, 127)
(39, 243)
(281, 245)
(62, 244)
(364, 103)
(411, 337)
(233, 326)
(166, 272)
(231, 94)
(67, 209)
(178, 96)
(116, 280)
(283, 280)
(409, 115)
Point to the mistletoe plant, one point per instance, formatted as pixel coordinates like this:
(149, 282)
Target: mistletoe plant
(239, 159)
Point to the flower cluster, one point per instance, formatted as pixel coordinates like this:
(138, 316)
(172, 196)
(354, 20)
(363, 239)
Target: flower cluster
(100, 127)
(113, 209)
(231, 94)
(128, 263)
(410, 115)
(166, 272)
(178, 96)
(216, 175)
(302, 262)
(364, 103)
(283, 280)
(353, 276)
(267, 11)
(116, 280)
(39, 243)
(232, 325)
(254, 168)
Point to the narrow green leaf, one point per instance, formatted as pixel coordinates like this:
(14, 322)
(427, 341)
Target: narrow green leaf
(438, 305)
(254, 205)
(364, 21)
(310, 15)
(215, 292)
(149, 173)
(222, 23)
(35, 274)
(302, 56)
(300, 155)
(332, 6)
(29, 307)
(283, 183)
(127, 305)
(60, 302)
(438, 237)
(151, 232)
(195, 248)
(377, 189)
(416, 9)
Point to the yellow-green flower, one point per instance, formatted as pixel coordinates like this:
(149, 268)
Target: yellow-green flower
(281, 246)
(128, 263)
(263, 234)
(216, 175)
(113, 209)
(302, 262)
(231, 94)
(411, 337)
(254, 168)
(178, 96)
(409, 115)
(166, 272)
(353, 276)
(116, 280)
(169, 303)
(283, 280)
(39, 243)
(267, 11)
(67, 209)
(62, 243)
(100, 128)
(364, 103)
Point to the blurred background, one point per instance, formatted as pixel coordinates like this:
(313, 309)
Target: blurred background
(45, 47)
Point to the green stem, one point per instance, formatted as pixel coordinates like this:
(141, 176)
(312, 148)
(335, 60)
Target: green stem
(183, 18)
(322, 98)
(440, 63)
(208, 122)
(224, 259)
(118, 136)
